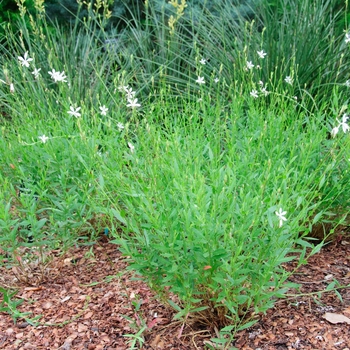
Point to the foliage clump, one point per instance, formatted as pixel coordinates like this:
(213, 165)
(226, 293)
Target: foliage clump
(208, 158)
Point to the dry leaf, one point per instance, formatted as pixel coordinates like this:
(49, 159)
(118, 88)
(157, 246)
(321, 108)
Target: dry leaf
(82, 328)
(336, 318)
(155, 341)
(68, 261)
(33, 289)
(88, 315)
(47, 305)
(65, 298)
(68, 342)
(152, 323)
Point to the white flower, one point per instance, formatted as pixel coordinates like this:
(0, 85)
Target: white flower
(129, 93)
(344, 118)
(264, 91)
(25, 59)
(43, 138)
(216, 80)
(344, 124)
(347, 83)
(261, 54)
(203, 61)
(58, 76)
(281, 216)
(104, 110)
(254, 94)
(132, 147)
(12, 88)
(200, 80)
(36, 73)
(289, 80)
(347, 38)
(133, 103)
(335, 131)
(123, 88)
(250, 65)
(74, 111)
(120, 126)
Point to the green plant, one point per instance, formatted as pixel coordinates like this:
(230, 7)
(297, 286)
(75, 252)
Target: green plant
(195, 154)
(46, 190)
(310, 46)
(201, 202)
(162, 51)
(10, 306)
(138, 324)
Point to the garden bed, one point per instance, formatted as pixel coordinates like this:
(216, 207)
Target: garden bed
(93, 302)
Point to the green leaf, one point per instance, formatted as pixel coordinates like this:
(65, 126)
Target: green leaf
(242, 299)
(118, 216)
(330, 286)
(339, 296)
(290, 285)
(317, 217)
(195, 300)
(227, 329)
(299, 201)
(287, 258)
(198, 309)
(322, 181)
(175, 306)
(316, 249)
(303, 243)
(219, 340)
(220, 253)
(101, 181)
(247, 325)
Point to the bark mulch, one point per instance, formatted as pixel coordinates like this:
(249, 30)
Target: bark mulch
(88, 300)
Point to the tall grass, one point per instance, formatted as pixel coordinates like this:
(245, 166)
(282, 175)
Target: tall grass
(305, 38)
(187, 141)
(301, 39)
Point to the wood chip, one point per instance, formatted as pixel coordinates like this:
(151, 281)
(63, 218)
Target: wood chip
(336, 318)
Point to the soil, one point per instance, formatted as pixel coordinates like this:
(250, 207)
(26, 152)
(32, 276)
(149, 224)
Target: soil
(89, 300)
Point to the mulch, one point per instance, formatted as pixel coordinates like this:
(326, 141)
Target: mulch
(88, 299)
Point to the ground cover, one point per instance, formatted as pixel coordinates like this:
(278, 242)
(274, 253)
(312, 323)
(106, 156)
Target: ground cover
(93, 302)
